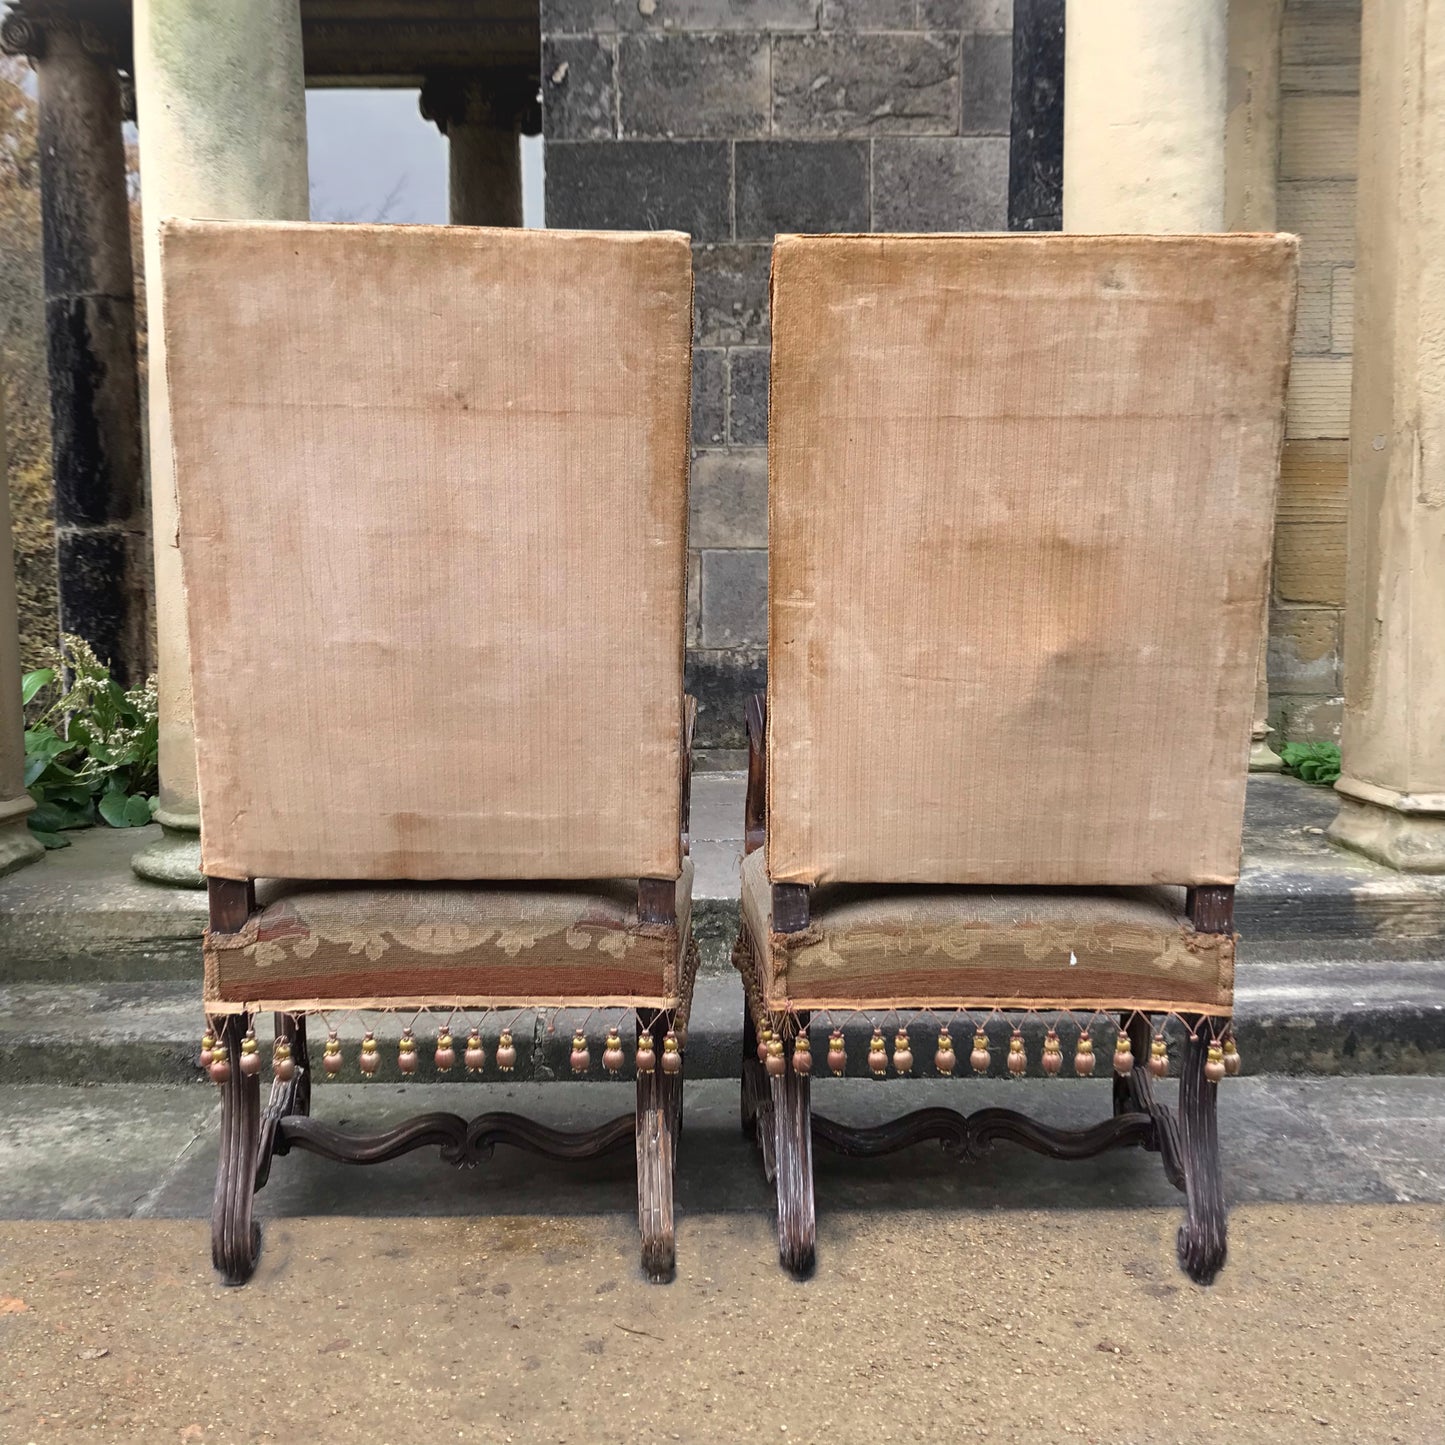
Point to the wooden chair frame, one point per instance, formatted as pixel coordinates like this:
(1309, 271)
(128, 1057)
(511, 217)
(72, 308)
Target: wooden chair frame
(777, 1110)
(252, 1136)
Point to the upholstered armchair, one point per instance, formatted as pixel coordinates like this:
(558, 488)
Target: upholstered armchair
(1021, 503)
(433, 501)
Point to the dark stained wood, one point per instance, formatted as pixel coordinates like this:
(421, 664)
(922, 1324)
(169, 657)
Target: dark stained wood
(235, 1235)
(790, 907)
(689, 723)
(657, 901)
(232, 901)
(1211, 908)
(1203, 1237)
(658, 1117)
(755, 806)
(793, 1149)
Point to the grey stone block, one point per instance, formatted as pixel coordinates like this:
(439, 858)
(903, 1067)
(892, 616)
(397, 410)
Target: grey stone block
(641, 185)
(578, 100)
(987, 84)
(798, 185)
(965, 14)
(730, 294)
(586, 17)
(709, 397)
(940, 185)
(729, 499)
(693, 85)
(748, 392)
(867, 15)
(735, 598)
(843, 84)
(722, 682)
(693, 627)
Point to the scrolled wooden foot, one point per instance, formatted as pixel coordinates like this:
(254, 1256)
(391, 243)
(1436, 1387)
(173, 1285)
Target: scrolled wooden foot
(1203, 1240)
(793, 1151)
(235, 1235)
(658, 1112)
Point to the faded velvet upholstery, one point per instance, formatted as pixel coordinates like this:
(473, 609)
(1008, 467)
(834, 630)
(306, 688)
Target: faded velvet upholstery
(1021, 497)
(967, 946)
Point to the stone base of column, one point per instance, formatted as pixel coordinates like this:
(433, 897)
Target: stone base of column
(175, 857)
(1390, 827)
(1263, 758)
(18, 845)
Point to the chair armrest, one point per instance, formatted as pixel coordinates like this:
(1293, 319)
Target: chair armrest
(755, 808)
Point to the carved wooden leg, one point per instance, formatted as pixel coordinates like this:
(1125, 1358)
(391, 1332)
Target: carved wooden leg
(793, 1136)
(292, 1028)
(235, 1236)
(1202, 1237)
(1141, 1037)
(658, 1102)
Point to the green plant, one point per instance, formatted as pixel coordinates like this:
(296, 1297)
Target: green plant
(1314, 762)
(91, 748)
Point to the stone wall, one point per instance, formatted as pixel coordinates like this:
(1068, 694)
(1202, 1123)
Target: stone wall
(1319, 121)
(735, 120)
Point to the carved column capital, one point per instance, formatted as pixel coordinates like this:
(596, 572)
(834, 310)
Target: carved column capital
(31, 26)
(498, 99)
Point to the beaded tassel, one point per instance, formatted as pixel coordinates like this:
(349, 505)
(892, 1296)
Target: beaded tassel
(581, 1055)
(250, 1055)
(612, 1055)
(370, 1054)
(837, 1053)
(220, 1066)
(671, 1053)
(777, 1064)
(945, 1060)
(406, 1052)
(902, 1053)
(331, 1055)
(877, 1054)
(765, 1035)
(1053, 1053)
(1084, 1056)
(506, 1052)
(1214, 1063)
(1123, 1055)
(802, 1056)
(1158, 1057)
(283, 1066)
(208, 1048)
(1018, 1061)
(445, 1057)
(1232, 1062)
(646, 1054)
(979, 1059)
(474, 1056)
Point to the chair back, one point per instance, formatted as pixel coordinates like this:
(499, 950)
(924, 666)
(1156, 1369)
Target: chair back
(433, 499)
(1021, 501)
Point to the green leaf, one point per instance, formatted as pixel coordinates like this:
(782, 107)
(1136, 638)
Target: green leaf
(138, 811)
(112, 807)
(50, 840)
(32, 682)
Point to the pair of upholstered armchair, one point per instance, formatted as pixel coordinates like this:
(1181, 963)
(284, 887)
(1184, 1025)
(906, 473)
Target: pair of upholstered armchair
(433, 494)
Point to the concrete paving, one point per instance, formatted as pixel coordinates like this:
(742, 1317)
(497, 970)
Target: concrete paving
(1012, 1299)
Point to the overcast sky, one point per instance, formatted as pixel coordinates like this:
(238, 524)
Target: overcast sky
(374, 158)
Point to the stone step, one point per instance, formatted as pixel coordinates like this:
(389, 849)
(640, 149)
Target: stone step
(1303, 1017)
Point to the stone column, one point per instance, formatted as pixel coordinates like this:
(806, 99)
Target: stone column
(221, 109)
(1393, 783)
(1036, 132)
(482, 116)
(18, 846)
(1144, 116)
(1251, 168)
(102, 570)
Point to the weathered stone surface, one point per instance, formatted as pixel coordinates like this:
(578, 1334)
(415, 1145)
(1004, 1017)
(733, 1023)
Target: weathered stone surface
(729, 499)
(722, 682)
(987, 84)
(940, 184)
(1309, 562)
(578, 99)
(693, 622)
(730, 294)
(867, 15)
(735, 598)
(640, 185)
(800, 186)
(1304, 651)
(693, 85)
(586, 17)
(849, 84)
(1036, 129)
(709, 397)
(965, 14)
(748, 387)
